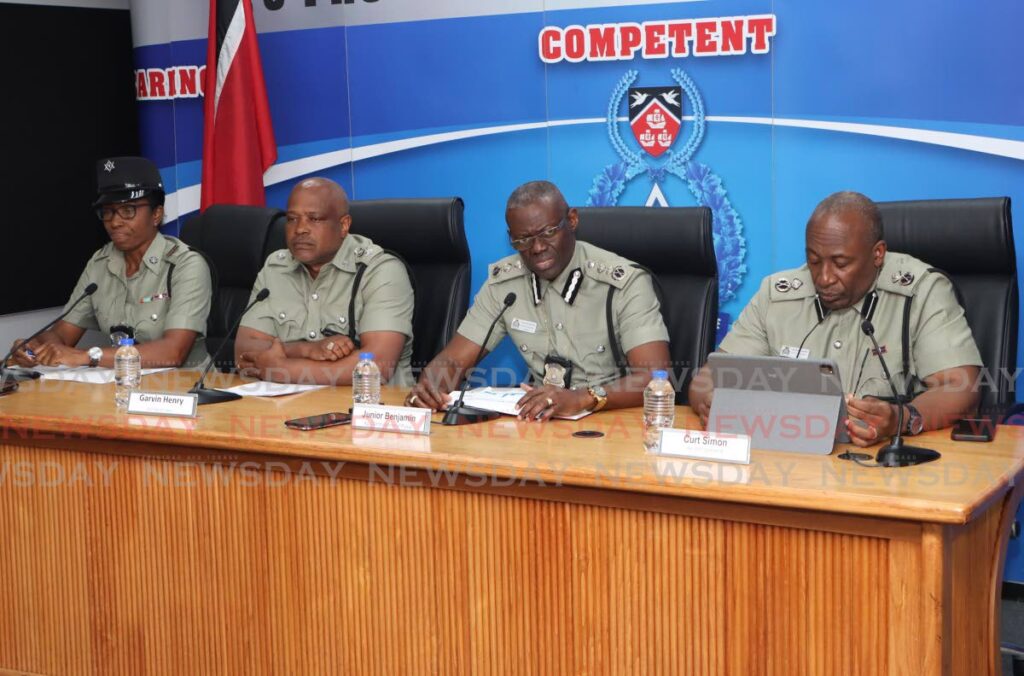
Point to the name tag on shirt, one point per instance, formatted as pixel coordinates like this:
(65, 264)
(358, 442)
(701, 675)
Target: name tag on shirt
(794, 353)
(524, 325)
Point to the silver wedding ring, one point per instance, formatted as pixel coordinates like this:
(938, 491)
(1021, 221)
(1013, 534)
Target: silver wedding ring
(412, 400)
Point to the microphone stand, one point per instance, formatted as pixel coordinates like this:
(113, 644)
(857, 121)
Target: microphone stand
(9, 381)
(896, 453)
(457, 414)
(211, 396)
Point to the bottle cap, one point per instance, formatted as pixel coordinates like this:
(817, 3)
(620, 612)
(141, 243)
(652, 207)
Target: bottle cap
(126, 341)
(365, 356)
(659, 375)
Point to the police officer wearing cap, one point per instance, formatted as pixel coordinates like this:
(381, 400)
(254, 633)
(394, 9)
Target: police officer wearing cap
(558, 321)
(150, 287)
(817, 310)
(331, 291)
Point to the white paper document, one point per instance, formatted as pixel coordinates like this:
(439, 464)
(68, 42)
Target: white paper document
(501, 400)
(262, 388)
(84, 374)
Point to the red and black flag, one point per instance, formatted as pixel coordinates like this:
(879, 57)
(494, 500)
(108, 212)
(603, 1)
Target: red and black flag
(238, 139)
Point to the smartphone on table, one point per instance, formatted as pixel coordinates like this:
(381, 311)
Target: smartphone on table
(316, 422)
(974, 429)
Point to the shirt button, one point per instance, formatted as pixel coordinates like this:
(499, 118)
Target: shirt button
(600, 348)
(558, 326)
(838, 344)
(280, 254)
(315, 296)
(524, 348)
(312, 335)
(153, 317)
(280, 315)
(341, 320)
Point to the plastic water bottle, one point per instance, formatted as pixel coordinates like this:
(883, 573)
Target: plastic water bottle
(366, 380)
(659, 408)
(127, 372)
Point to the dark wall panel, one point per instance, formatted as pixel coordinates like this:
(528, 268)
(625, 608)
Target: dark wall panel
(68, 100)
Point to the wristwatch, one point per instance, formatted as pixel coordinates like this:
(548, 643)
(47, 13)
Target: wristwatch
(599, 394)
(95, 354)
(915, 421)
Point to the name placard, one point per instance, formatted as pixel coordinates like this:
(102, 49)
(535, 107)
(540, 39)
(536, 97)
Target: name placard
(180, 404)
(404, 419)
(705, 445)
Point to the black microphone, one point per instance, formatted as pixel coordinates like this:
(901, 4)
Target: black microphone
(457, 414)
(896, 453)
(210, 396)
(9, 383)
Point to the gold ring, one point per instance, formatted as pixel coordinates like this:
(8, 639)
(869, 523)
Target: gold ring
(551, 402)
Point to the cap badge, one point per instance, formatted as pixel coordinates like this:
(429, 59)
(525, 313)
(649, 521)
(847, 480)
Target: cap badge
(782, 285)
(618, 272)
(496, 270)
(108, 166)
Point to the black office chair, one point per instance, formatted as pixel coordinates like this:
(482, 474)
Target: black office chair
(429, 235)
(677, 246)
(971, 240)
(233, 238)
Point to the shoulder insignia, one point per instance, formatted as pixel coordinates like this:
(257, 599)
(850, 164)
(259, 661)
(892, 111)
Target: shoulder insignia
(507, 268)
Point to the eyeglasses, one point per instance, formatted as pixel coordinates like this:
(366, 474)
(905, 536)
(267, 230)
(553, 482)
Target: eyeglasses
(125, 211)
(524, 243)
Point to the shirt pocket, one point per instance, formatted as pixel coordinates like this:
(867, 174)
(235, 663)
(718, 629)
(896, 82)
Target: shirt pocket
(287, 321)
(872, 377)
(596, 355)
(150, 320)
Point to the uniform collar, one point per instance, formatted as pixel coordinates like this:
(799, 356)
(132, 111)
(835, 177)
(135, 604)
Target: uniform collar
(568, 281)
(345, 257)
(151, 259)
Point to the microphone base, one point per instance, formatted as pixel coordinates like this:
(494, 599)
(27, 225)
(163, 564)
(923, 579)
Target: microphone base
(208, 396)
(901, 455)
(467, 415)
(8, 385)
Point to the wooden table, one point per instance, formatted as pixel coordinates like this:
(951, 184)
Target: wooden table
(229, 544)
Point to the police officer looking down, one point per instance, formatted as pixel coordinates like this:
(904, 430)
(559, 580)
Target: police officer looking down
(558, 320)
(817, 310)
(150, 287)
(329, 291)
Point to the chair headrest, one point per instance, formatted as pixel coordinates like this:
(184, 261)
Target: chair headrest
(665, 239)
(440, 237)
(233, 236)
(962, 236)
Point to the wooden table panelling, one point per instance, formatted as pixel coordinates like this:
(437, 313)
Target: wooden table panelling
(228, 547)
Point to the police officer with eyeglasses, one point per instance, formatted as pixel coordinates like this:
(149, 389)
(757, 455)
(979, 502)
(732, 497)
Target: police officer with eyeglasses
(150, 287)
(585, 352)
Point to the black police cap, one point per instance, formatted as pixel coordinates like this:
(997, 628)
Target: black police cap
(120, 179)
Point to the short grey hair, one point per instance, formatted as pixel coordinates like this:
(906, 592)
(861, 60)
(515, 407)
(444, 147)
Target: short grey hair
(533, 192)
(848, 200)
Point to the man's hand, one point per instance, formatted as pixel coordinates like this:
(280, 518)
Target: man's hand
(55, 354)
(426, 395)
(331, 348)
(870, 420)
(257, 364)
(21, 357)
(541, 403)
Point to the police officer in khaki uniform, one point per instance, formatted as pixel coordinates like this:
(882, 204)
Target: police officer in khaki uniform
(817, 310)
(558, 320)
(330, 292)
(149, 286)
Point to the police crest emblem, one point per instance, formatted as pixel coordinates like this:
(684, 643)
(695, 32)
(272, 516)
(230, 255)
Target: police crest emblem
(655, 115)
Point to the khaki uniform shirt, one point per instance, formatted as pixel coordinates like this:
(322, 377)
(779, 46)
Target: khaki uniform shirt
(567, 317)
(783, 313)
(300, 307)
(150, 301)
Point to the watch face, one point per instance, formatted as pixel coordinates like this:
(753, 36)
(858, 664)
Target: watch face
(600, 391)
